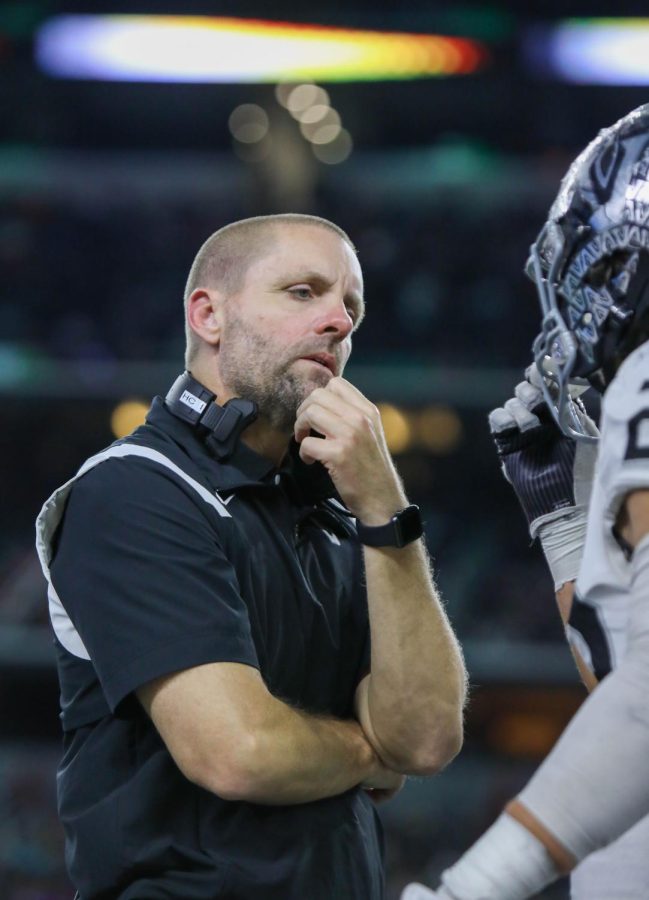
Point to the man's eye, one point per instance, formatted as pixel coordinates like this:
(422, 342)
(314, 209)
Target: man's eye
(302, 293)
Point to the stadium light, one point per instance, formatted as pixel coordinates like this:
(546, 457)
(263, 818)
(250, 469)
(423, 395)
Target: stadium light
(592, 51)
(204, 49)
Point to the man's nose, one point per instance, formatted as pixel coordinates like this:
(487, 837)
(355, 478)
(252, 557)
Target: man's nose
(335, 320)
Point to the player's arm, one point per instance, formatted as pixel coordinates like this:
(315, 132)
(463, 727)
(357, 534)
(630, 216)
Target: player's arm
(410, 706)
(565, 596)
(633, 521)
(552, 477)
(230, 735)
(591, 788)
(598, 802)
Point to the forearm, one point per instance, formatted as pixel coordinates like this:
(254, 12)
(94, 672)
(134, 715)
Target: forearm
(578, 791)
(412, 709)
(228, 734)
(293, 758)
(412, 705)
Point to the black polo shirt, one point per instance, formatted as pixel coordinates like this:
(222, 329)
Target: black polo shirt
(160, 566)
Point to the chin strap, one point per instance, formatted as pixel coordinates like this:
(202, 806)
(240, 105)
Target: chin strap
(219, 426)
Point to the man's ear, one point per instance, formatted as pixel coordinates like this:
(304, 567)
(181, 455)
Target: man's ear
(204, 315)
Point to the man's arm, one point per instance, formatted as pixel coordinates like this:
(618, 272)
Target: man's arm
(222, 726)
(228, 734)
(410, 706)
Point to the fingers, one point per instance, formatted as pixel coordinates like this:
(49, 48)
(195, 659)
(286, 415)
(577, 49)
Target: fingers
(323, 419)
(334, 410)
(519, 412)
(575, 390)
(529, 395)
(514, 414)
(533, 376)
(347, 391)
(523, 417)
(417, 892)
(340, 395)
(501, 420)
(312, 450)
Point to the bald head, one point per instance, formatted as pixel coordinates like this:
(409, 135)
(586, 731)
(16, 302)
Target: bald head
(225, 257)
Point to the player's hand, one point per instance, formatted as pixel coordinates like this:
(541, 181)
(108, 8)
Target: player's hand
(416, 891)
(350, 443)
(551, 474)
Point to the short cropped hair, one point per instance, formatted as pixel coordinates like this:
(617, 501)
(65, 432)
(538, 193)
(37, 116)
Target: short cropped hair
(225, 257)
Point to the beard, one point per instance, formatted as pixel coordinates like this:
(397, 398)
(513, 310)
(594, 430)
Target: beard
(252, 367)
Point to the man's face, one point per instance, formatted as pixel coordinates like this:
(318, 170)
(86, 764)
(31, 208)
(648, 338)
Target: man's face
(288, 330)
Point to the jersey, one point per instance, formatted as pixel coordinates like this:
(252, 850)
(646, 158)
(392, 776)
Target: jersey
(600, 612)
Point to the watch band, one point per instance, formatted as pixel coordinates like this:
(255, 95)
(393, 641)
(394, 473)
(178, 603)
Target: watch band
(403, 528)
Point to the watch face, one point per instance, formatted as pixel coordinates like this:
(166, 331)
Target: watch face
(408, 525)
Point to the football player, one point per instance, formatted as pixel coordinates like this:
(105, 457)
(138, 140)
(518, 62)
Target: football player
(590, 264)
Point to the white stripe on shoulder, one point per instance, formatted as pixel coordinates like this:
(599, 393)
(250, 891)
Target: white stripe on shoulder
(67, 634)
(122, 450)
(52, 512)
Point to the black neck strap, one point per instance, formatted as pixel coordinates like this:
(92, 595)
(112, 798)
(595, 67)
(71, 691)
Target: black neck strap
(219, 426)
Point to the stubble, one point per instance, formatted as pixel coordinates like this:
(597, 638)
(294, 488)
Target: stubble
(254, 369)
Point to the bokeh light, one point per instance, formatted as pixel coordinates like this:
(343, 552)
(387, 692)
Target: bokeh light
(439, 429)
(330, 120)
(248, 123)
(335, 151)
(398, 432)
(126, 416)
(303, 96)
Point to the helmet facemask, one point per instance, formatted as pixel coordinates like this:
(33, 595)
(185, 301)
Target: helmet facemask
(590, 265)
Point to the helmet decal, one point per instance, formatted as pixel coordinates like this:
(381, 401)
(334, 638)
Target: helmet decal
(604, 169)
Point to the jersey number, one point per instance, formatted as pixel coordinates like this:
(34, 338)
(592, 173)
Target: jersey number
(584, 619)
(637, 449)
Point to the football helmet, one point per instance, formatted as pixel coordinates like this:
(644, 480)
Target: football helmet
(590, 264)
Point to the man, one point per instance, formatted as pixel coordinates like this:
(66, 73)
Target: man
(591, 267)
(226, 724)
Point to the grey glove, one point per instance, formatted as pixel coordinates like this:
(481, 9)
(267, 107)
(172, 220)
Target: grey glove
(551, 474)
(417, 891)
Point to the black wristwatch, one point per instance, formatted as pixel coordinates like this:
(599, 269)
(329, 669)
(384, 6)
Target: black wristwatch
(403, 528)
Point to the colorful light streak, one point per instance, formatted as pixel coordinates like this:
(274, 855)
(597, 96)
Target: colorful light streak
(202, 49)
(593, 51)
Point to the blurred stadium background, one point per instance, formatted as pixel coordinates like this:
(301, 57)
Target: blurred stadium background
(436, 137)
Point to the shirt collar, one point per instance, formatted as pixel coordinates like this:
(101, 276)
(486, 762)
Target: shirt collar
(244, 467)
(305, 484)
